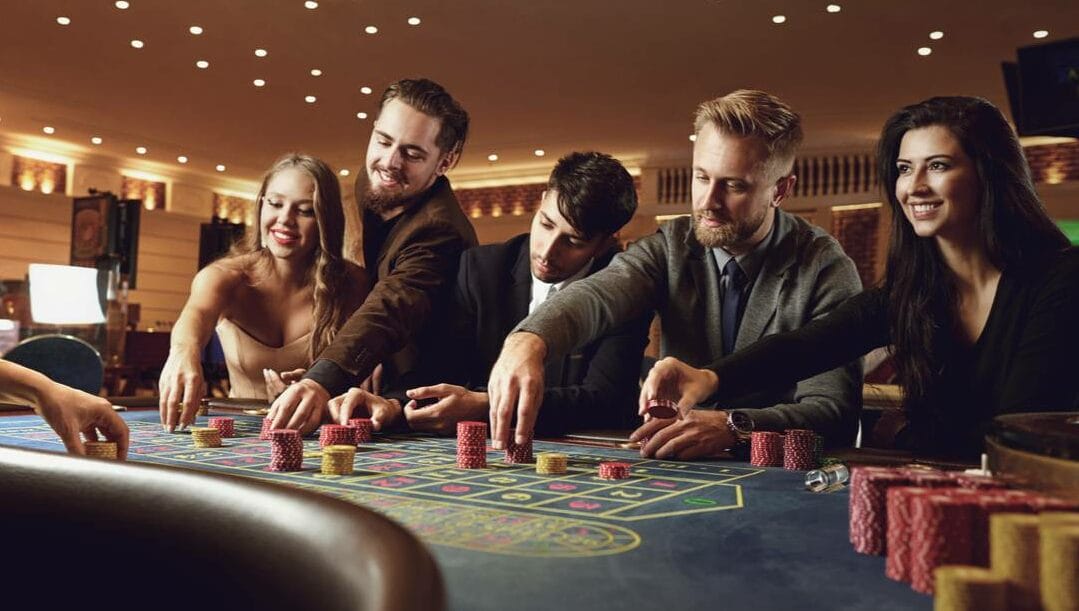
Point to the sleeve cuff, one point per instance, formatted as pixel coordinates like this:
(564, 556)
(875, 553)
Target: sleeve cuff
(330, 376)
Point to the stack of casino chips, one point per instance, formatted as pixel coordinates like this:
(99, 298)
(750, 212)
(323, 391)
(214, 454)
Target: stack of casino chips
(766, 449)
(338, 459)
(361, 429)
(206, 437)
(227, 426)
(551, 463)
(101, 449)
(970, 588)
(336, 435)
(613, 470)
(267, 426)
(471, 445)
(801, 450)
(517, 454)
(286, 450)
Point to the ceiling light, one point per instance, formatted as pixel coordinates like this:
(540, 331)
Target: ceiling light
(1041, 33)
(220, 167)
(182, 159)
(310, 4)
(923, 51)
(310, 99)
(48, 129)
(492, 157)
(344, 172)
(138, 44)
(195, 29)
(833, 8)
(96, 140)
(365, 90)
(779, 19)
(371, 29)
(123, 5)
(316, 72)
(693, 137)
(361, 115)
(140, 150)
(258, 82)
(539, 152)
(261, 53)
(202, 64)
(63, 20)
(413, 21)
(936, 35)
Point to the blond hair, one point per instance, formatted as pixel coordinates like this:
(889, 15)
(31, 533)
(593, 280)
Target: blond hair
(748, 112)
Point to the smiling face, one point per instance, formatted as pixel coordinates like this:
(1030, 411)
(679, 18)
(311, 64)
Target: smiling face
(557, 251)
(937, 184)
(287, 222)
(734, 190)
(403, 159)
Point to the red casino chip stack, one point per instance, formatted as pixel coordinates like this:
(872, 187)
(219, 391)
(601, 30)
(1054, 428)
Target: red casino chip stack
(613, 470)
(226, 426)
(336, 435)
(286, 450)
(362, 429)
(267, 426)
(800, 450)
(517, 454)
(868, 517)
(661, 408)
(942, 535)
(471, 445)
(766, 449)
(899, 527)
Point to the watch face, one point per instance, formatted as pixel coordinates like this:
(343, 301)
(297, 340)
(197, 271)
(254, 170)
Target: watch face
(741, 422)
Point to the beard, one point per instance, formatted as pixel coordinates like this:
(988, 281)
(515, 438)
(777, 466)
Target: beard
(378, 201)
(729, 233)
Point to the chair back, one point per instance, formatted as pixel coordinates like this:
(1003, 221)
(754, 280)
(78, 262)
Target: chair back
(61, 358)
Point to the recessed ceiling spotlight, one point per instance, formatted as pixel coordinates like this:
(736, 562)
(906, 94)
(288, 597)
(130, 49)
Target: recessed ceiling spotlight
(923, 51)
(258, 82)
(413, 21)
(48, 129)
(936, 35)
(1041, 33)
(779, 19)
(344, 172)
(310, 99)
(833, 8)
(96, 140)
(195, 29)
(310, 5)
(182, 159)
(140, 150)
(492, 157)
(539, 152)
(693, 137)
(261, 53)
(365, 90)
(316, 72)
(63, 20)
(202, 64)
(138, 44)
(123, 5)
(361, 115)
(371, 29)
(220, 167)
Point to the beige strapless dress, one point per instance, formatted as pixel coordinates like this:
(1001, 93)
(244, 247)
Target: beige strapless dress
(246, 357)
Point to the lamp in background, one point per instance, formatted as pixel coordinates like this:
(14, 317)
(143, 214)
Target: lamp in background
(65, 295)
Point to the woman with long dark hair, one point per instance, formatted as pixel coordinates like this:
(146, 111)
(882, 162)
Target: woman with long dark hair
(978, 301)
(277, 300)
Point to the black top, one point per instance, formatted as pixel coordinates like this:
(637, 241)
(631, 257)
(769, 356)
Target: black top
(1026, 359)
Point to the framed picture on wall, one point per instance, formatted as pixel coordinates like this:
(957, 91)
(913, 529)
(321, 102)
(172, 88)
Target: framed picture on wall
(90, 229)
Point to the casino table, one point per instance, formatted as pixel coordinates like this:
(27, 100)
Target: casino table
(678, 535)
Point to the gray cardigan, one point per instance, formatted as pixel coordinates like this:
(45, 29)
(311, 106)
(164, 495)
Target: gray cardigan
(805, 274)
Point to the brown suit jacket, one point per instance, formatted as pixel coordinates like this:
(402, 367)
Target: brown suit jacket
(413, 275)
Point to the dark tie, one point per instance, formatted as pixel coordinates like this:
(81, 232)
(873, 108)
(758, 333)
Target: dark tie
(731, 306)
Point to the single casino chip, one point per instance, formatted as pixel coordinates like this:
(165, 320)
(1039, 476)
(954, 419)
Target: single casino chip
(969, 587)
(205, 437)
(338, 459)
(362, 429)
(101, 449)
(613, 470)
(661, 408)
(336, 434)
(551, 463)
(227, 426)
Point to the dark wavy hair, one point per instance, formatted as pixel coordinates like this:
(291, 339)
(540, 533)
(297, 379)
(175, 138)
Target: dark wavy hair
(335, 296)
(595, 193)
(1012, 224)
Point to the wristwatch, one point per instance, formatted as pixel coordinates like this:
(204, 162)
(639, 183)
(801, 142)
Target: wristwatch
(741, 424)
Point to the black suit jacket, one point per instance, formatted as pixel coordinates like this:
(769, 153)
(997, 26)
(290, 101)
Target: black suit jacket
(594, 387)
